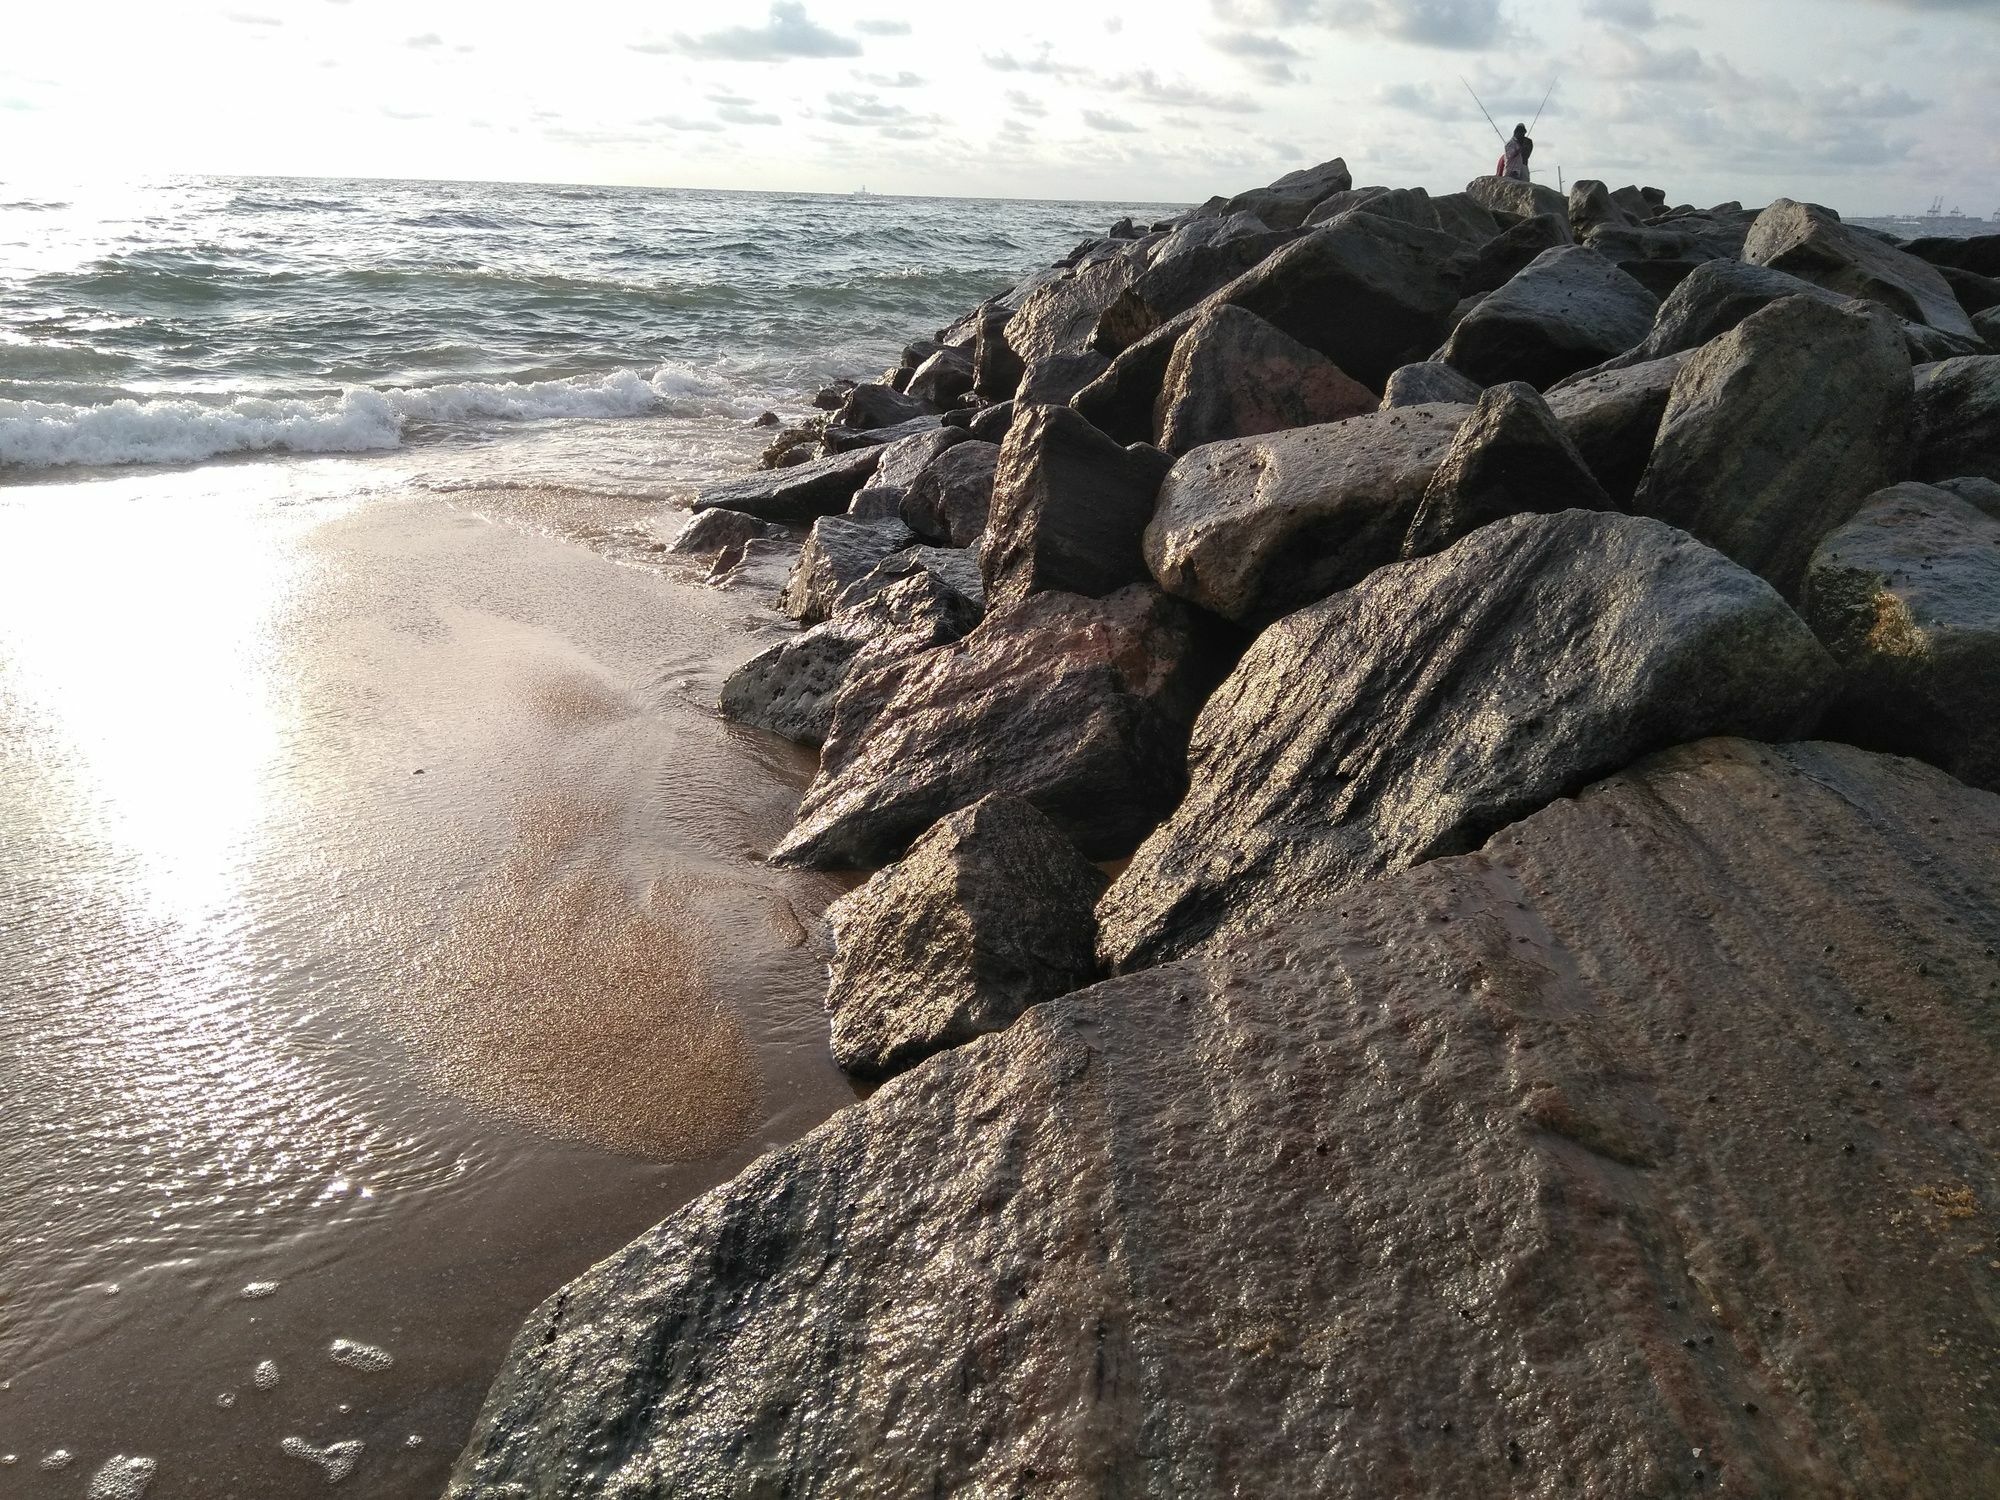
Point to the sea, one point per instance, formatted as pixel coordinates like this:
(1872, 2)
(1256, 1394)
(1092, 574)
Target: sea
(384, 930)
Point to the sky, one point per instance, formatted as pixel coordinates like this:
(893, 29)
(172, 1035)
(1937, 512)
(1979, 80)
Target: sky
(1873, 106)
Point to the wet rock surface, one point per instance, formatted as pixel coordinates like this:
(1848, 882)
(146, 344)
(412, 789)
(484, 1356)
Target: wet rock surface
(948, 500)
(1509, 457)
(1957, 418)
(839, 551)
(990, 912)
(800, 493)
(1569, 310)
(1906, 596)
(881, 498)
(1812, 243)
(1427, 383)
(1415, 713)
(1614, 416)
(1234, 375)
(1513, 1172)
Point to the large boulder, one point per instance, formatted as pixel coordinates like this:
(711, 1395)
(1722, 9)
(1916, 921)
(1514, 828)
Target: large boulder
(996, 368)
(820, 488)
(990, 912)
(1061, 318)
(1907, 598)
(1976, 490)
(1978, 253)
(1122, 401)
(1613, 418)
(1658, 257)
(1714, 298)
(1591, 206)
(1425, 384)
(1495, 262)
(872, 406)
(1439, 700)
(1254, 528)
(720, 536)
(1200, 257)
(1520, 200)
(839, 551)
(881, 498)
(1778, 430)
(948, 500)
(1410, 205)
(1286, 202)
(1077, 705)
(1957, 419)
(1069, 509)
(1645, 1153)
(1509, 457)
(790, 688)
(1465, 219)
(837, 439)
(1812, 243)
(1054, 379)
(1234, 375)
(942, 378)
(955, 568)
(1567, 311)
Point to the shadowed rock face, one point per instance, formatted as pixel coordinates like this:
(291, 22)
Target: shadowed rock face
(1523, 200)
(1650, 1151)
(1714, 298)
(820, 488)
(1778, 430)
(840, 551)
(1079, 706)
(1436, 701)
(1958, 419)
(1567, 311)
(1907, 598)
(1427, 383)
(881, 498)
(1510, 456)
(1234, 375)
(948, 500)
(1810, 242)
(989, 913)
(1613, 418)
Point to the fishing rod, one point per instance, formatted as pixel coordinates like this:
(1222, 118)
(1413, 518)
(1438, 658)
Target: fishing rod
(1545, 103)
(1482, 107)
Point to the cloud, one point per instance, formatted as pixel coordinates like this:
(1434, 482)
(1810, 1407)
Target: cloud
(789, 33)
(676, 122)
(902, 80)
(428, 39)
(883, 28)
(1270, 57)
(1098, 120)
(1026, 103)
(737, 114)
(1982, 8)
(243, 18)
(406, 114)
(1043, 63)
(1463, 25)
(1149, 86)
(848, 107)
(1633, 15)
(1630, 58)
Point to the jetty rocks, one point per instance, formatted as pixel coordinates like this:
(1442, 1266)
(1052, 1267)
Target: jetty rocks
(1429, 773)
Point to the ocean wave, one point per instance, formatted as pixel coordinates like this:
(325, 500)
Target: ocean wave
(171, 430)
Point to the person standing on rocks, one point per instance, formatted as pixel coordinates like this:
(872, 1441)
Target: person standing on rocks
(1514, 156)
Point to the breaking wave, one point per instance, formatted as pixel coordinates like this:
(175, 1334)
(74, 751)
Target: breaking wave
(169, 430)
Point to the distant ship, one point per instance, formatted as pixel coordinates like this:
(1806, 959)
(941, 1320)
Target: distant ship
(862, 192)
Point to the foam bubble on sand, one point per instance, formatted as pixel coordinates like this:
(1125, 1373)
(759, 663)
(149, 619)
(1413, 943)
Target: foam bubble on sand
(257, 1289)
(359, 1356)
(225, 1399)
(335, 1460)
(265, 1375)
(58, 1458)
(122, 1478)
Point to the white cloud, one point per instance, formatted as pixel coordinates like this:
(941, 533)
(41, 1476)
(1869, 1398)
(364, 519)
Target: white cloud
(789, 33)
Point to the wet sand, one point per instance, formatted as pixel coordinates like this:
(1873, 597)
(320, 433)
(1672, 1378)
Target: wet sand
(380, 917)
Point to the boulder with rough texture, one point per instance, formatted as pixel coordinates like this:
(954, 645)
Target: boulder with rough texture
(1778, 430)
(1254, 528)
(1440, 700)
(1907, 598)
(1061, 318)
(1975, 293)
(872, 406)
(1465, 219)
(720, 535)
(1522, 200)
(881, 498)
(1714, 298)
(1286, 202)
(1812, 243)
(1077, 705)
(1427, 383)
(837, 439)
(790, 688)
(1497, 261)
(1976, 490)
(820, 488)
(1567, 311)
(955, 568)
(990, 423)
(1200, 257)
(1978, 253)
(1592, 206)
(1957, 417)
(1510, 456)
(990, 912)
(996, 368)
(942, 378)
(839, 551)
(1055, 379)
(1234, 375)
(1987, 326)
(948, 500)
(1613, 418)
(1658, 257)
(1069, 509)
(1650, 1151)
(1410, 205)
(1120, 403)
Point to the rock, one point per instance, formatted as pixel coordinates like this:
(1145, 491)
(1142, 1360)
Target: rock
(1657, 257)
(839, 551)
(901, 462)
(1906, 596)
(1987, 326)
(1254, 528)
(1055, 380)
(1198, 259)
(799, 444)
(790, 688)
(1332, 208)
(1500, 259)
(820, 488)
(1069, 509)
(1465, 219)
(1812, 243)
(720, 535)
(1120, 403)
(1975, 293)
(954, 568)
(1437, 701)
(1286, 202)
(832, 397)
(1062, 317)
(768, 419)
(1076, 705)
(836, 439)
(1521, 200)
(940, 380)
(1567, 311)
(1957, 419)
(1407, 205)
(1516, 1136)
(1714, 298)
(1510, 456)
(990, 912)
(1426, 384)
(1613, 418)
(1591, 206)
(1234, 375)
(948, 501)
(1778, 430)
(1981, 494)
(872, 405)
(991, 423)
(996, 368)
(1124, 229)
(1979, 253)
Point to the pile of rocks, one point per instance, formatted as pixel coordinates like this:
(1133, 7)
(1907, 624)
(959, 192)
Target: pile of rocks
(1384, 992)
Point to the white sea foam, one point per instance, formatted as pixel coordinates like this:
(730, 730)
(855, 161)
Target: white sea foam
(122, 1478)
(42, 435)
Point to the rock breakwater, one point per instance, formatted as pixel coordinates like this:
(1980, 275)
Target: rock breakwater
(1555, 1040)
